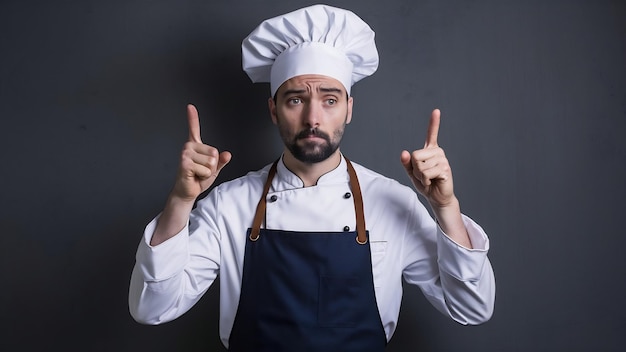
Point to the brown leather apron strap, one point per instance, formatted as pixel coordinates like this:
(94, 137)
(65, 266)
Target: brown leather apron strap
(361, 237)
(354, 187)
(260, 208)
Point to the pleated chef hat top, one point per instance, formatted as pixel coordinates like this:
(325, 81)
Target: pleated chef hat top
(319, 39)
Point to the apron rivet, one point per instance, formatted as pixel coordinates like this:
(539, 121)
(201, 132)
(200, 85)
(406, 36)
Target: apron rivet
(273, 198)
(347, 195)
(346, 228)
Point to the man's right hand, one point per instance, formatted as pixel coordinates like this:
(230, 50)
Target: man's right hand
(199, 166)
(200, 163)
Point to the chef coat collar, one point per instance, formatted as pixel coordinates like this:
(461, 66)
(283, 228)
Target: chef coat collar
(287, 179)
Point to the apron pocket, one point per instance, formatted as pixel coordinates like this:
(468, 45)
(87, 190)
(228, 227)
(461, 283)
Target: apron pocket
(338, 301)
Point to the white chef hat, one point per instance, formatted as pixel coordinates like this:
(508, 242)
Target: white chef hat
(319, 39)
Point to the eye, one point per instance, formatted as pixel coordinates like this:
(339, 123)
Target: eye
(295, 101)
(331, 101)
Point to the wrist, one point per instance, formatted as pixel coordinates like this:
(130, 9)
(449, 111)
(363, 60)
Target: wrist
(451, 222)
(452, 206)
(184, 204)
(173, 219)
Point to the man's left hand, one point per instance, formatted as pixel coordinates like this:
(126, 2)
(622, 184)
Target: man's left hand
(428, 168)
(431, 175)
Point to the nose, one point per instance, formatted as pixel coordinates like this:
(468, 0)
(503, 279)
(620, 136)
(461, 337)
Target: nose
(312, 114)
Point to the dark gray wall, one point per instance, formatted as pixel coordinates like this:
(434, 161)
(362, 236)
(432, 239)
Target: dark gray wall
(92, 106)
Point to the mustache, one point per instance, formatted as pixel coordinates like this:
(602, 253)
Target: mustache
(312, 132)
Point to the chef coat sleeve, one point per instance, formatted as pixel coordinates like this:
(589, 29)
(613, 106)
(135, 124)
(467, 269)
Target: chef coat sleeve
(458, 281)
(169, 278)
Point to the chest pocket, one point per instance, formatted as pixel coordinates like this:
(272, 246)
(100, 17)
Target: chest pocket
(379, 249)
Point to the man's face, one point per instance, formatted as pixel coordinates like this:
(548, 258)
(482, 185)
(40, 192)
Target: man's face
(311, 112)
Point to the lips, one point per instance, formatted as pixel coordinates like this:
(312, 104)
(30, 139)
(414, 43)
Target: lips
(312, 134)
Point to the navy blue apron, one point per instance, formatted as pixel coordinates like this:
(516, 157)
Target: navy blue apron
(307, 291)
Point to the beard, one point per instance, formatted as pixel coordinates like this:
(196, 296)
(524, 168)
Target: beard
(311, 151)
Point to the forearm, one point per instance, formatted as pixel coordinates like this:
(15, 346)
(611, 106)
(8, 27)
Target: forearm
(173, 219)
(466, 275)
(451, 222)
(168, 279)
(153, 302)
(157, 283)
(459, 282)
(470, 302)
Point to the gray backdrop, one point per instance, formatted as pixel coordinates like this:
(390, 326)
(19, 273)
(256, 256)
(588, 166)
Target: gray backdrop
(533, 100)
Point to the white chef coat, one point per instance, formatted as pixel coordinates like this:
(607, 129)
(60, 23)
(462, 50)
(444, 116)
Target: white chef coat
(168, 279)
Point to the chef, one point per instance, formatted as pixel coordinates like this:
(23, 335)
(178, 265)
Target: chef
(312, 249)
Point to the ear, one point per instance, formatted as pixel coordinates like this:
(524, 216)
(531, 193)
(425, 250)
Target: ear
(272, 107)
(349, 114)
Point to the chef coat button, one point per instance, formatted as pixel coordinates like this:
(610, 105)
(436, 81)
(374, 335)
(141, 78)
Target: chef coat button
(346, 228)
(273, 198)
(347, 195)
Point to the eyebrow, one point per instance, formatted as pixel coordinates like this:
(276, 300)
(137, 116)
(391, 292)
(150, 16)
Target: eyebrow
(331, 90)
(293, 91)
(301, 91)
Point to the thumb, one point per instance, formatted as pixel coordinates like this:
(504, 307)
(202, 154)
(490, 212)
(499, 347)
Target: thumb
(224, 159)
(405, 159)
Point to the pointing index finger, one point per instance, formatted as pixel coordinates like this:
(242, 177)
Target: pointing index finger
(433, 129)
(194, 124)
